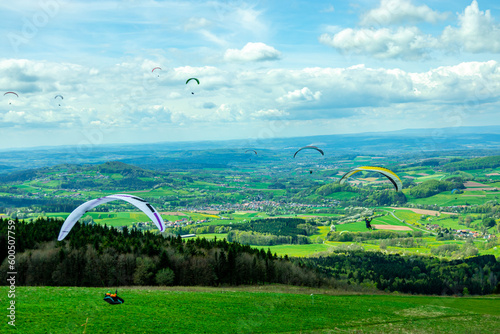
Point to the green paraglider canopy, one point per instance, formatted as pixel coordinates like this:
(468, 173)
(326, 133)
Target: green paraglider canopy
(198, 81)
(195, 79)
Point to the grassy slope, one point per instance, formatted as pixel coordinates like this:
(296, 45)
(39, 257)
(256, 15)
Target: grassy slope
(245, 310)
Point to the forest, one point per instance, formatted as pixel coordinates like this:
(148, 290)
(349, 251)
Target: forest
(413, 274)
(95, 255)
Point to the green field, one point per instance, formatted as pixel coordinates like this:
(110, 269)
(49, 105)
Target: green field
(296, 250)
(448, 199)
(264, 309)
(210, 236)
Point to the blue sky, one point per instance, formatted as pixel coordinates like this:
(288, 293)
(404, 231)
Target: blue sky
(266, 69)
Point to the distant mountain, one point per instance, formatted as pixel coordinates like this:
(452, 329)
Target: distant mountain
(6, 168)
(118, 167)
(417, 143)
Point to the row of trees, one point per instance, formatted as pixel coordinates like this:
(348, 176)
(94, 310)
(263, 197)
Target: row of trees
(375, 234)
(265, 239)
(475, 163)
(279, 226)
(366, 196)
(433, 187)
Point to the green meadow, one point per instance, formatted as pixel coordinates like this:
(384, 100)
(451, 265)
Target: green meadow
(260, 309)
(447, 199)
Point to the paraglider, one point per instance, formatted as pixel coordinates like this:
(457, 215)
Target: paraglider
(367, 222)
(395, 180)
(138, 202)
(195, 79)
(311, 148)
(113, 298)
(13, 93)
(156, 68)
(254, 151)
(59, 96)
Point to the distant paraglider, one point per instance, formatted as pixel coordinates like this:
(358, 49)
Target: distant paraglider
(251, 151)
(310, 148)
(157, 69)
(195, 79)
(60, 97)
(395, 180)
(138, 202)
(13, 93)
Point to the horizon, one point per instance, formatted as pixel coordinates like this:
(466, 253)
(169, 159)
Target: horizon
(107, 145)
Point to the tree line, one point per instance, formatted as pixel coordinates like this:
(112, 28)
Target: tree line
(475, 163)
(265, 239)
(273, 231)
(366, 195)
(432, 187)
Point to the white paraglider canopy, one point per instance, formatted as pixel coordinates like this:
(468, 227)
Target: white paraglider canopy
(138, 202)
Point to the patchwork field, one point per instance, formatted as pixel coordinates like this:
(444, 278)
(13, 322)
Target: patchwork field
(392, 227)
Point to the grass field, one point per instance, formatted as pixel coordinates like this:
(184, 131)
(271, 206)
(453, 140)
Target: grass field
(296, 250)
(267, 309)
(360, 226)
(448, 199)
(210, 236)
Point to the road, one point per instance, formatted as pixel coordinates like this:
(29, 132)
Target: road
(421, 229)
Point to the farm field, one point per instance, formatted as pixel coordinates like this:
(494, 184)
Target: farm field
(296, 250)
(467, 198)
(264, 309)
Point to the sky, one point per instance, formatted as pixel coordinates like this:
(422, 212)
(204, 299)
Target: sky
(267, 68)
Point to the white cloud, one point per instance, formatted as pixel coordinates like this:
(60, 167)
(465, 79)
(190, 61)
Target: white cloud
(300, 95)
(210, 36)
(407, 43)
(228, 113)
(269, 114)
(137, 101)
(252, 52)
(477, 31)
(400, 11)
(249, 19)
(13, 117)
(195, 23)
(329, 9)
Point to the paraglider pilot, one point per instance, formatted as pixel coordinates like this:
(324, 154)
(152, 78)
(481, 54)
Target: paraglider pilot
(368, 221)
(112, 298)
